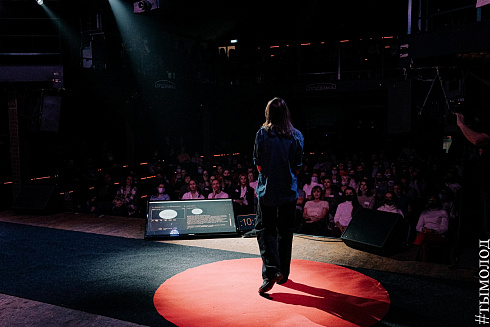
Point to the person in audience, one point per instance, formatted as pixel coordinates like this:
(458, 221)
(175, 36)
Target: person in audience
(300, 204)
(193, 193)
(252, 180)
(243, 197)
(335, 177)
(332, 196)
(353, 179)
(361, 171)
(217, 193)
(345, 211)
(418, 184)
(205, 183)
(160, 194)
(304, 175)
(403, 202)
(390, 204)
(309, 186)
(126, 202)
(227, 182)
(365, 195)
(376, 166)
(185, 187)
(432, 226)
(219, 172)
(315, 214)
(342, 169)
(345, 181)
(381, 187)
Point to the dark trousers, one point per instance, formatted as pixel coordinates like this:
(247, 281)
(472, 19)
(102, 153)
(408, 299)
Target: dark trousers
(275, 227)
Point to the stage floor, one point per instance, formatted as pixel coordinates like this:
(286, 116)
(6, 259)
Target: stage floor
(21, 311)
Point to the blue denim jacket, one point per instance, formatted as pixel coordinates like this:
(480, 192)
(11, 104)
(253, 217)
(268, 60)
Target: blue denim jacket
(279, 158)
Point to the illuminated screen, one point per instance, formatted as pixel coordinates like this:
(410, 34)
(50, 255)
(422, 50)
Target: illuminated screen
(190, 218)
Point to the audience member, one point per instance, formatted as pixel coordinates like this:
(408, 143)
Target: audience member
(403, 202)
(432, 226)
(335, 177)
(342, 169)
(205, 183)
(345, 211)
(243, 197)
(361, 171)
(252, 180)
(390, 204)
(332, 196)
(219, 172)
(308, 187)
(315, 214)
(217, 193)
(381, 187)
(300, 203)
(345, 181)
(184, 188)
(193, 193)
(417, 184)
(159, 194)
(126, 203)
(353, 179)
(227, 183)
(365, 194)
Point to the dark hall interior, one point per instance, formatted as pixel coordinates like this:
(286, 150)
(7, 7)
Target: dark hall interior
(142, 82)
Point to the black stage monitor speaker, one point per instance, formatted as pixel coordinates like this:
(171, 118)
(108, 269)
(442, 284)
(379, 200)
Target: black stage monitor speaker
(378, 232)
(35, 200)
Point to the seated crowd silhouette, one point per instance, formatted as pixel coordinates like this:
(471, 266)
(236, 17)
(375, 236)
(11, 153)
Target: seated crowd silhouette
(330, 191)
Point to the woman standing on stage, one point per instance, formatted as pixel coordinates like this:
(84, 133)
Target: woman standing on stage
(278, 154)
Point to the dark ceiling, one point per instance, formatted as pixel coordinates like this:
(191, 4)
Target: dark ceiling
(284, 19)
(212, 20)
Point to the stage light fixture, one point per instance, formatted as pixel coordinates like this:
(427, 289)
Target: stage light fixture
(40, 2)
(145, 5)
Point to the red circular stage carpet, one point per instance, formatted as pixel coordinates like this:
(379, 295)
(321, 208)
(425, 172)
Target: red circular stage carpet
(225, 293)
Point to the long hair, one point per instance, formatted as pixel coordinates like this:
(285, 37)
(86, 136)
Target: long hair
(355, 200)
(277, 118)
(321, 192)
(369, 191)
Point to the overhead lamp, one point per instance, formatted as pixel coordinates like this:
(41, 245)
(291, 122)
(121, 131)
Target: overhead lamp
(40, 2)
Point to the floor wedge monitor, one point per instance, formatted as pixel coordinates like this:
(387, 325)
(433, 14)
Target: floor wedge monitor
(378, 232)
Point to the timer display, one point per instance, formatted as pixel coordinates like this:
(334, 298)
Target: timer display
(246, 222)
